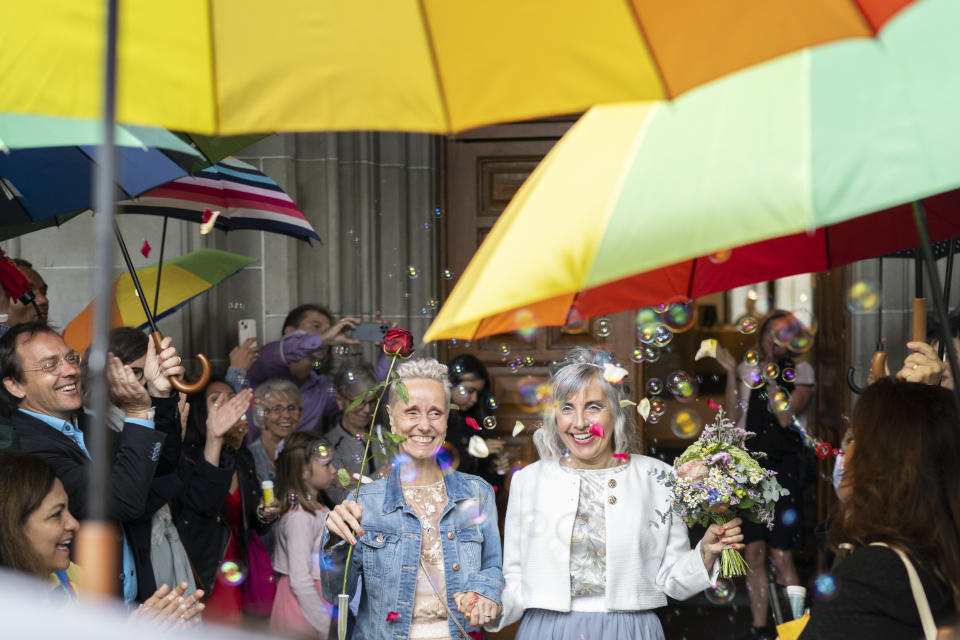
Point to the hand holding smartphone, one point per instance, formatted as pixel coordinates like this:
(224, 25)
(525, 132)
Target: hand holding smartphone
(370, 331)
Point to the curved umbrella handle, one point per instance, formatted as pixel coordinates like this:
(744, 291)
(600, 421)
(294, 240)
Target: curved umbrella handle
(857, 389)
(178, 383)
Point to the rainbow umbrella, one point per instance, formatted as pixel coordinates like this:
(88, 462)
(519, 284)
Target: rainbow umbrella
(797, 144)
(413, 65)
(184, 278)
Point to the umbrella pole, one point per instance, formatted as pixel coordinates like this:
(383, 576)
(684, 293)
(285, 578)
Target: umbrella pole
(163, 242)
(96, 543)
(920, 218)
(946, 290)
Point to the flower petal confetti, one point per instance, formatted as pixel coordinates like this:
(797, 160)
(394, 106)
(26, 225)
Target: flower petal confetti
(713, 405)
(626, 403)
(145, 249)
(473, 424)
(518, 428)
(597, 430)
(621, 456)
(613, 374)
(363, 480)
(477, 447)
(708, 349)
(393, 615)
(644, 409)
(207, 220)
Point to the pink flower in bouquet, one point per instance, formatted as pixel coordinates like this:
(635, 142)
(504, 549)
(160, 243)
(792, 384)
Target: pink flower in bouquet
(692, 470)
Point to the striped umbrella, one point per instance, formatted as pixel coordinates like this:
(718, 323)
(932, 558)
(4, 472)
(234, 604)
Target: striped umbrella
(184, 278)
(244, 196)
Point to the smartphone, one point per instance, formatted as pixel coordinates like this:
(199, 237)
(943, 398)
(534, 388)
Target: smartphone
(370, 331)
(246, 329)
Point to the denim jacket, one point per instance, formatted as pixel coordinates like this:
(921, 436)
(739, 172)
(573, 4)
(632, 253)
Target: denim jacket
(388, 554)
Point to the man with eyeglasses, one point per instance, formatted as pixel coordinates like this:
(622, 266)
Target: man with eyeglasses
(42, 393)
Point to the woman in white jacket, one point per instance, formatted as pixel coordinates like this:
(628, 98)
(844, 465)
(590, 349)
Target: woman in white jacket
(586, 552)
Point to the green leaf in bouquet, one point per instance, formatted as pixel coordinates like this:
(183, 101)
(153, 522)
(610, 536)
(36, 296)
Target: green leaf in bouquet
(746, 503)
(393, 437)
(401, 390)
(343, 477)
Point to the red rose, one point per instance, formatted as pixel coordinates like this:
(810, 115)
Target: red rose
(398, 342)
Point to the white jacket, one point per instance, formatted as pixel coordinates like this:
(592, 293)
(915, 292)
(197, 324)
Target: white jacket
(647, 559)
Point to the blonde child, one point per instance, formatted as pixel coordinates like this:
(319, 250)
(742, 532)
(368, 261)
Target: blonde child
(304, 469)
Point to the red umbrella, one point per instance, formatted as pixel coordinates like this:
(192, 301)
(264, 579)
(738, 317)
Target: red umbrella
(865, 237)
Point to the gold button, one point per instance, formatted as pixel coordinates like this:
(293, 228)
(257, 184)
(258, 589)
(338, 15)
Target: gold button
(456, 567)
(379, 538)
(612, 484)
(450, 535)
(612, 499)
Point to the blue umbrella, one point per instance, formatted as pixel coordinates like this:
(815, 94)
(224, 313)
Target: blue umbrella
(42, 184)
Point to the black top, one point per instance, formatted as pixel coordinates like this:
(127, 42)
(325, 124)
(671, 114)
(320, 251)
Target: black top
(776, 441)
(873, 599)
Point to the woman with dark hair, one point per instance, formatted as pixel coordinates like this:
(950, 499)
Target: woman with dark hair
(471, 394)
(224, 543)
(767, 405)
(901, 495)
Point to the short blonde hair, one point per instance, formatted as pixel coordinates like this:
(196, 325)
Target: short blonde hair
(422, 369)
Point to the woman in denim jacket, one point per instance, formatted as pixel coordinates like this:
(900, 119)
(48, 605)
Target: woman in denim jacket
(425, 538)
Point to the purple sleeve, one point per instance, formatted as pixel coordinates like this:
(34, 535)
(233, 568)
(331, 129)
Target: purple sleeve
(268, 366)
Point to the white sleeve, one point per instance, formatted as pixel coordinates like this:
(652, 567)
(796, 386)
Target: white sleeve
(681, 573)
(805, 375)
(512, 597)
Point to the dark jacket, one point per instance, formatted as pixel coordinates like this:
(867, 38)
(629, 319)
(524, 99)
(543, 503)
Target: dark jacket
(205, 532)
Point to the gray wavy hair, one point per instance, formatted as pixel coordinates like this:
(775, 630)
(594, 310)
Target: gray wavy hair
(423, 369)
(579, 367)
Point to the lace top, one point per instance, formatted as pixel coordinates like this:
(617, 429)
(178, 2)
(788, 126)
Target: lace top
(429, 615)
(588, 544)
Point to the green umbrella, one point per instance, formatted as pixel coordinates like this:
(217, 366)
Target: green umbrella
(22, 131)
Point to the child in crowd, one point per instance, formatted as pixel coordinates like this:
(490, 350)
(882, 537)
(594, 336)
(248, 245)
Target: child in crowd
(304, 469)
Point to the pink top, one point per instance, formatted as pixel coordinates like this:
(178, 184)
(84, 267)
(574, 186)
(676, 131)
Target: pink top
(296, 556)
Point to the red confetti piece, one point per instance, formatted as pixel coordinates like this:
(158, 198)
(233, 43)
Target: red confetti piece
(393, 615)
(596, 429)
(256, 400)
(205, 218)
(473, 424)
(620, 456)
(476, 635)
(145, 249)
(713, 405)
(835, 453)
(823, 449)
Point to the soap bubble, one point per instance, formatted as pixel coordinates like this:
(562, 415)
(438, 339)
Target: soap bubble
(602, 327)
(780, 400)
(747, 325)
(432, 303)
(231, 574)
(753, 378)
(723, 592)
(638, 355)
(490, 422)
(825, 586)
(663, 335)
(647, 333)
(646, 316)
(654, 386)
(720, 257)
(680, 317)
(752, 357)
(652, 354)
(788, 374)
(686, 424)
(438, 212)
(682, 385)
(460, 391)
(412, 272)
(447, 273)
(469, 512)
(863, 296)
(448, 459)
(657, 407)
(492, 403)
(407, 467)
(789, 517)
(794, 331)
(512, 366)
(350, 376)
(528, 361)
(771, 371)
(458, 369)
(504, 349)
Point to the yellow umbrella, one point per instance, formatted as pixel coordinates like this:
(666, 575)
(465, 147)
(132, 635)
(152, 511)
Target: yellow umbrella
(241, 66)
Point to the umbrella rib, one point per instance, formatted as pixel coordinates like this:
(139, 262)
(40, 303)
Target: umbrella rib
(213, 69)
(436, 65)
(649, 46)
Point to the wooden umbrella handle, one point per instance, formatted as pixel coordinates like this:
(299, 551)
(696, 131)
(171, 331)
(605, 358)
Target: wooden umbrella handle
(878, 365)
(919, 319)
(178, 383)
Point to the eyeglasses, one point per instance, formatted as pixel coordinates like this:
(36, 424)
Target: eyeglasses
(52, 365)
(290, 408)
(369, 403)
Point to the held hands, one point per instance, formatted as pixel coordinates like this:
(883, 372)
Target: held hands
(243, 356)
(475, 608)
(169, 609)
(125, 389)
(344, 520)
(160, 366)
(922, 365)
(719, 537)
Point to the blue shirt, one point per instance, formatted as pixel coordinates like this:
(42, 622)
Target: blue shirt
(68, 429)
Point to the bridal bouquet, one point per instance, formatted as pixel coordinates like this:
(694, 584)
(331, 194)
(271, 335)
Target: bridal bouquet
(717, 479)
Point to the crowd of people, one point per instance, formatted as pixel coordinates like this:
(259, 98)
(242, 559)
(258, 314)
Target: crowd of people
(230, 505)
